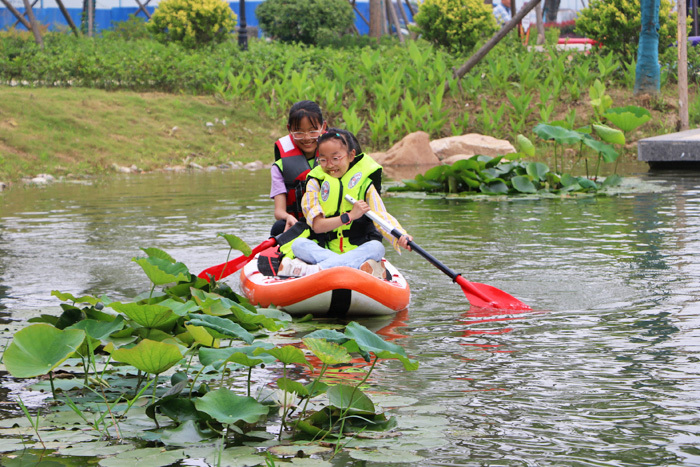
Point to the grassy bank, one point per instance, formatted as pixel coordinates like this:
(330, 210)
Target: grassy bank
(87, 131)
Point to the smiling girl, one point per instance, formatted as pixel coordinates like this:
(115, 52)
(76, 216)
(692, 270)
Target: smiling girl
(350, 238)
(295, 155)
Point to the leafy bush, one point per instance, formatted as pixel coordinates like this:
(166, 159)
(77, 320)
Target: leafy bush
(132, 29)
(456, 24)
(305, 21)
(616, 24)
(192, 22)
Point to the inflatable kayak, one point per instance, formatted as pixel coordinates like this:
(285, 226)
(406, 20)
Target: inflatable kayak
(333, 292)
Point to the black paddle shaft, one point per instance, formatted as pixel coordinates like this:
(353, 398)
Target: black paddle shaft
(431, 259)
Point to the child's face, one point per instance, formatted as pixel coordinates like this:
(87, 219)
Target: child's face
(334, 158)
(306, 136)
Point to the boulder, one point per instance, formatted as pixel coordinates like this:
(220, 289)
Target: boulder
(413, 150)
(469, 145)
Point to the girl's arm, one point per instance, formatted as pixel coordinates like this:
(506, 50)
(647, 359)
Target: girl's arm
(278, 192)
(377, 205)
(314, 214)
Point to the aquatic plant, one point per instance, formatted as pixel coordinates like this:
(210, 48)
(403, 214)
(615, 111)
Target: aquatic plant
(162, 332)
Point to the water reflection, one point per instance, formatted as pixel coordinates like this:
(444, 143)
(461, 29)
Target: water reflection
(603, 371)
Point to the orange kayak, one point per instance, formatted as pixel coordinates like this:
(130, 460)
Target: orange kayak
(334, 292)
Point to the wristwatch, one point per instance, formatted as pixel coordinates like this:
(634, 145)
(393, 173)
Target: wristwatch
(345, 218)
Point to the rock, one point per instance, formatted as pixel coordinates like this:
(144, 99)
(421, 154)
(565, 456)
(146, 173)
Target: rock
(413, 150)
(469, 145)
(121, 169)
(257, 165)
(194, 165)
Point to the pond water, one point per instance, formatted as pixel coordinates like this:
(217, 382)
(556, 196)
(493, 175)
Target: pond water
(604, 371)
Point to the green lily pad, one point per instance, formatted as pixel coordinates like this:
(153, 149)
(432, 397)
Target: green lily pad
(228, 407)
(67, 297)
(158, 253)
(371, 342)
(149, 316)
(152, 457)
(293, 450)
(149, 356)
(236, 243)
(39, 348)
(349, 397)
(287, 354)
(185, 434)
(329, 353)
(99, 329)
(161, 271)
(223, 326)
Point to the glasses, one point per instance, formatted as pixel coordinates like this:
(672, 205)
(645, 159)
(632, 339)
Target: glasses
(335, 160)
(313, 134)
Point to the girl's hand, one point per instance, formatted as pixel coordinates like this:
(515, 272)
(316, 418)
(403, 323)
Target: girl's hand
(403, 241)
(291, 220)
(359, 209)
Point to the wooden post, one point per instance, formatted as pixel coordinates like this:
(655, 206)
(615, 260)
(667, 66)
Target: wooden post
(69, 20)
(142, 7)
(242, 27)
(682, 66)
(17, 14)
(486, 48)
(25, 14)
(394, 19)
(90, 15)
(375, 18)
(540, 24)
(403, 13)
(33, 23)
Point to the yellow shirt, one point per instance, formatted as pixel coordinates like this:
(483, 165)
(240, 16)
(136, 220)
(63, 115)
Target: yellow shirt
(311, 207)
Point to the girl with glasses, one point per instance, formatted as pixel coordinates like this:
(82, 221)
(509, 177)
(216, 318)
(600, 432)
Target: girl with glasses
(295, 155)
(344, 236)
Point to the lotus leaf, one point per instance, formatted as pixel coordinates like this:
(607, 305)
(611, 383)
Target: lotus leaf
(494, 187)
(149, 356)
(349, 397)
(371, 342)
(236, 243)
(628, 118)
(99, 329)
(201, 335)
(523, 184)
(158, 253)
(287, 354)
(558, 134)
(161, 271)
(38, 349)
(609, 135)
(525, 145)
(228, 407)
(218, 357)
(66, 297)
(329, 353)
(223, 326)
(149, 316)
(537, 170)
(295, 387)
(608, 152)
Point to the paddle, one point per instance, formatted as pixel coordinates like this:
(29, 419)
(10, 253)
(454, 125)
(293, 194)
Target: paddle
(481, 295)
(229, 267)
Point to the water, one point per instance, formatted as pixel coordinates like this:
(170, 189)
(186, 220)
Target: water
(603, 371)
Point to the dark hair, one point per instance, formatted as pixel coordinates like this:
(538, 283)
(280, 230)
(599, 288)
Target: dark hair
(346, 138)
(305, 109)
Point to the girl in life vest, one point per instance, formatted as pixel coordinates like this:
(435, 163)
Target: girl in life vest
(348, 237)
(295, 156)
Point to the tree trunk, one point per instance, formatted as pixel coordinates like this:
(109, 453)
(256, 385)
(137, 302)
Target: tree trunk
(486, 48)
(551, 10)
(17, 14)
(648, 79)
(682, 66)
(540, 24)
(91, 17)
(375, 18)
(394, 19)
(69, 20)
(33, 23)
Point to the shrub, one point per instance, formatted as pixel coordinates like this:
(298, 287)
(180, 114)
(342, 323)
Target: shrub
(616, 24)
(305, 21)
(192, 22)
(132, 29)
(457, 25)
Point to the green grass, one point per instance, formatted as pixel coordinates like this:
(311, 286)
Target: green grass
(86, 131)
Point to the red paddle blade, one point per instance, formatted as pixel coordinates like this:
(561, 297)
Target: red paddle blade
(229, 267)
(486, 296)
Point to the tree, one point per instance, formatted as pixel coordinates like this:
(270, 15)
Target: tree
(648, 78)
(551, 10)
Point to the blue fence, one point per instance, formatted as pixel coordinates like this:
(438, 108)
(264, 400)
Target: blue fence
(105, 18)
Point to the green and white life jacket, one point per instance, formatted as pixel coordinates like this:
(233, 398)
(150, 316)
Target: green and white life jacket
(355, 182)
